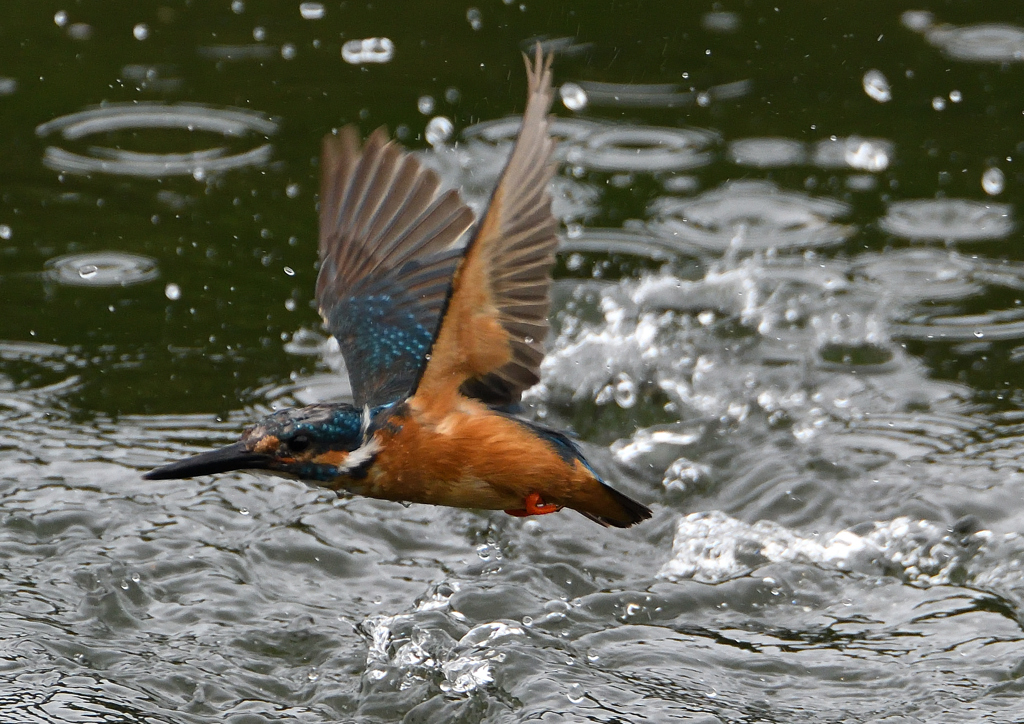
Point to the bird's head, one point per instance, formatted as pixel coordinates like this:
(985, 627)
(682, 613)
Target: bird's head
(317, 444)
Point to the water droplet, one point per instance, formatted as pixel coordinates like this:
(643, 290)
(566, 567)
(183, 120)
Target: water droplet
(259, 34)
(452, 95)
(876, 85)
(172, 291)
(290, 305)
(955, 96)
(60, 18)
(939, 103)
(438, 130)
(289, 271)
(88, 271)
(576, 693)
(287, 51)
(141, 31)
(311, 11)
(5, 232)
(475, 18)
(291, 190)
(993, 181)
(368, 50)
(573, 96)
(237, 7)
(425, 105)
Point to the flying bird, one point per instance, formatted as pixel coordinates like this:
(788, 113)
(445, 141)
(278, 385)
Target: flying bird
(440, 340)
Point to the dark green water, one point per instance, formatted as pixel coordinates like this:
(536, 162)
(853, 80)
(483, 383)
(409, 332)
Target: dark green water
(788, 317)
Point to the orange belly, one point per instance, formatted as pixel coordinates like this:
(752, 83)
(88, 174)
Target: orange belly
(470, 458)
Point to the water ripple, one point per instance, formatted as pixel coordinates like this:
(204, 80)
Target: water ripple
(752, 216)
(135, 116)
(645, 149)
(948, 220)
(102, 269)
(920, 274)
(768, 152)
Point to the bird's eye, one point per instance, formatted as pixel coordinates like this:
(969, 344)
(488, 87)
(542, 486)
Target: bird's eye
(298, 443)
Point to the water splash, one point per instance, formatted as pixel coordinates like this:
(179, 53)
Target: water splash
(712, 547)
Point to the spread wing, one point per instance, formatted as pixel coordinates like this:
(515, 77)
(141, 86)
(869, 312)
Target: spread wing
(387, 260)
(491, 339)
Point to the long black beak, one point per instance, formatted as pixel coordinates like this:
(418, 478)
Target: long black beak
(232, 457)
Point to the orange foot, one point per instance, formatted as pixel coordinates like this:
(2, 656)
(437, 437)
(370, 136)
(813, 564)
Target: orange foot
(534, 506)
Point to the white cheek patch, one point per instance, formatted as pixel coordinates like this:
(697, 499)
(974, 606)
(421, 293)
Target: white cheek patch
(362, 455)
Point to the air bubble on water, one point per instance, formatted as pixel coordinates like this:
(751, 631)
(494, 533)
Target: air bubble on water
(289, 271)
(573, 96)
(993, 182)
(172, 291)
(88, 271)
(243, 511)
(311, 11)
(425, 105)
(439, 129)
(576, 694)
(876, 85)
(141, 31)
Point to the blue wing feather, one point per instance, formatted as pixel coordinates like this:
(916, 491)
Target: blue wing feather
(388, 253)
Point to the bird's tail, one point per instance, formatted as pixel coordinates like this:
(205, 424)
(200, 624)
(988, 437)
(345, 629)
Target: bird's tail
(616, 509)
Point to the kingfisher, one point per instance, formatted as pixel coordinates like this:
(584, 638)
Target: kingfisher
(440, 339)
